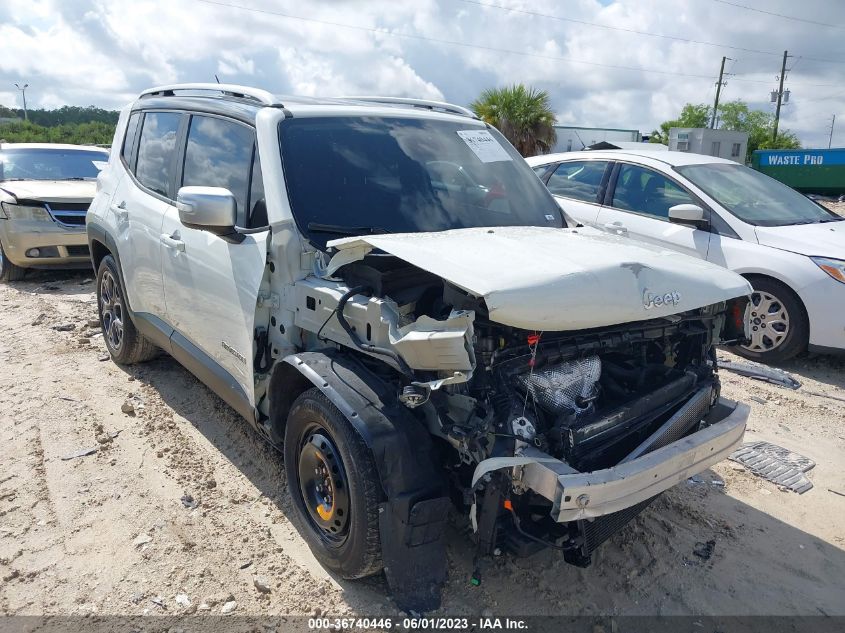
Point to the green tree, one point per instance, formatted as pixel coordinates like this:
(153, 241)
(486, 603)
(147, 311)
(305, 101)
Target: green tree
(90, 133)
(68, 124)
(692, 115)
(523, 115)
(63, 115)
(758, 124)
(732, 115)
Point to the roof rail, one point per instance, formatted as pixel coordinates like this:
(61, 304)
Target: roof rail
(231, 90)
(419, 103)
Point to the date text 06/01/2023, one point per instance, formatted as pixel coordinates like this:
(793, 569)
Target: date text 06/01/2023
(419, 623)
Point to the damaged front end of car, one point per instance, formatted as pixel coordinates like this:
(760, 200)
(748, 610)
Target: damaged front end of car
(548, 435)
(589, 427)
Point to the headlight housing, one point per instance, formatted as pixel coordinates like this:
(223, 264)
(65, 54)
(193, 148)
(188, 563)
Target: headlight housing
(833, 267)
(24, 212)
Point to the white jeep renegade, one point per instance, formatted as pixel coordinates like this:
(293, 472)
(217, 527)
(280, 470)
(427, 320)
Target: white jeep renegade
(386, 292)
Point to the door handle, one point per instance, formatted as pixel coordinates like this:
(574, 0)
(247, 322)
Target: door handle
(172, 241)
(120, 211)
(617, 227)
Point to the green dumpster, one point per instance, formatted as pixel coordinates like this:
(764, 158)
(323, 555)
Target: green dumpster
(808, 170)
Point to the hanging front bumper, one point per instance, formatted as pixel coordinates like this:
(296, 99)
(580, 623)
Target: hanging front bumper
(576, 496)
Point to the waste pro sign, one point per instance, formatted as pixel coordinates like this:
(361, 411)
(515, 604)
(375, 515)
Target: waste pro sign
(798, 158)
(819, 171)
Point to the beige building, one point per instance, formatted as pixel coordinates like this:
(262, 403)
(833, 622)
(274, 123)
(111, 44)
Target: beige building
(720, 143)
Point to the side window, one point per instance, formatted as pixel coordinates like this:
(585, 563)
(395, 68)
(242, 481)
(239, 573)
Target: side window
(720, 227)
(257, 206)
(646, 191)
(128, 151)
(219, 154)
(580, 180)
(156, 148)
(540, 170)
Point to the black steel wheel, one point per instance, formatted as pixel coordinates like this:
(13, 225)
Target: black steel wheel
(323, 484)
(334, 486)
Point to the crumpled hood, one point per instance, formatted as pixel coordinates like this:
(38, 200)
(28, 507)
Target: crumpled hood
(51, 190)
(558, 279)
(821, 240)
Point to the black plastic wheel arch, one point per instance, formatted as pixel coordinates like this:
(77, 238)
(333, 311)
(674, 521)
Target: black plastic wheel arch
(413, 515)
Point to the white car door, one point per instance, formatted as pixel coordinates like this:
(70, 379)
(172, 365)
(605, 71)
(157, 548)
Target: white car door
(211, 283)
(137, 212)
(578, 186)
(639, 207)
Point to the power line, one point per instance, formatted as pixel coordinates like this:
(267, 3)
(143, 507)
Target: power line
(780, 15)
(385, 32)
(424, 38)
(838, 95)
(622, 29)
(798, 85)
(476, 46)
(616, 28)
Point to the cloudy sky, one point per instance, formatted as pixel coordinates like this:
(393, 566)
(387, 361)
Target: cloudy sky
(608, 63)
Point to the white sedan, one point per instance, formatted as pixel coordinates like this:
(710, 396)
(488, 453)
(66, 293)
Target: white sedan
(791, 249)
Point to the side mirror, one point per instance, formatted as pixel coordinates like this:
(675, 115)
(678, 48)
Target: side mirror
(691, 214)
(210, 209)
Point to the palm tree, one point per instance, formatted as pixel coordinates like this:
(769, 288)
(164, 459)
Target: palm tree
(522, 114)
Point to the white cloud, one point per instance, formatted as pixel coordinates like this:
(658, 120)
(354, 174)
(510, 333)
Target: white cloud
(104, 51)
(312, 74)
(233, 64)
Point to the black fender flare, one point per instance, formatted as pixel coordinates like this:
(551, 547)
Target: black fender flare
(412, 517)
(97, 234)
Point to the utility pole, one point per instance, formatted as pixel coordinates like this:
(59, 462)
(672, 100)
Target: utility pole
(719, 85)
(23, 92)
(780, 95)
(830, 139)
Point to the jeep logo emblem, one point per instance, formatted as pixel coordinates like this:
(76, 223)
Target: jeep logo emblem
(651, 300)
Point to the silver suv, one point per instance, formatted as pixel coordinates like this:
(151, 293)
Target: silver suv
(386, 292)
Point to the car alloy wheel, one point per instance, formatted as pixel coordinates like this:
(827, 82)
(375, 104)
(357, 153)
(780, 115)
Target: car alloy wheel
(323, 485)
(111, 309)
(769, 322)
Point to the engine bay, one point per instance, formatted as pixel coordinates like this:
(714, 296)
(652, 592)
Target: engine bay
(588, 397)
(511, 411)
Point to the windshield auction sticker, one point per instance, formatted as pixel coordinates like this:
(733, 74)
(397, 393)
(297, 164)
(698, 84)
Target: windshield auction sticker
(483, 145)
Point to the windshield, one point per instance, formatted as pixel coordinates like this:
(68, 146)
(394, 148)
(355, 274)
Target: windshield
(50, 164)
(359, 175)
(754, 197)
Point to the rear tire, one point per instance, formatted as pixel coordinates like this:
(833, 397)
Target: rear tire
(334, 485)
(780, 328)
(125, 343)
(8, 270)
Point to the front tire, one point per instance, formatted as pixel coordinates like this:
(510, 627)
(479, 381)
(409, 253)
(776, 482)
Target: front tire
(780, 328)
(125, 343)
(8, 270)
(334, 485)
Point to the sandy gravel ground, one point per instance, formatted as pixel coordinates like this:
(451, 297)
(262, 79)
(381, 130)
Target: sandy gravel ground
(838, 207)
(183, 510)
